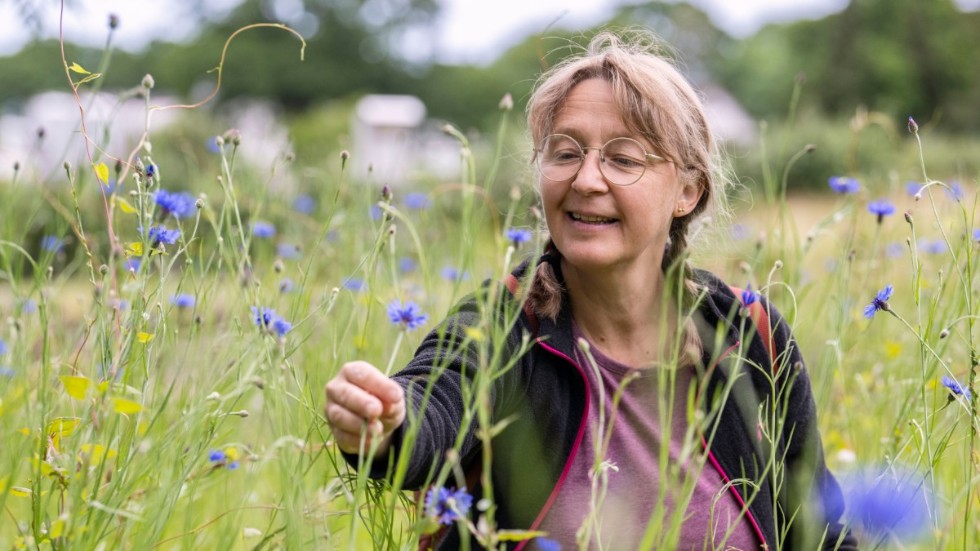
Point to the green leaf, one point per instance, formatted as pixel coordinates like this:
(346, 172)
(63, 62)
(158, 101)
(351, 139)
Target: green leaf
(76, 68)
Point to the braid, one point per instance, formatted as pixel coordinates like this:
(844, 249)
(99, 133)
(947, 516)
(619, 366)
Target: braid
(676, 268)
(546, 290)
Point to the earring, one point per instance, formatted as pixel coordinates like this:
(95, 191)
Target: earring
(680, 210)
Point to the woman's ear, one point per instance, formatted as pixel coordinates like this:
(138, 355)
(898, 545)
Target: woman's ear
(690, 193)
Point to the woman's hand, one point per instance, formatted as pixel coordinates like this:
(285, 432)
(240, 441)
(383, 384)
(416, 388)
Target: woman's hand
(361, 398)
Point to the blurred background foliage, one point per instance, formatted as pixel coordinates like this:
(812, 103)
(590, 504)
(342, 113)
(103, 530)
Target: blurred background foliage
(830, 82)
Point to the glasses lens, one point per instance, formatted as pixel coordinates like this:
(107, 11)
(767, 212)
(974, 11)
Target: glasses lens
(625, 161)
(560, 157)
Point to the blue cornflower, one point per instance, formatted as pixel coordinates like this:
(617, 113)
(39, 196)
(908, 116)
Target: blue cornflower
(286, 285)
(111, 186)
(894, 249)
(880, 302)
(212, 144)
(406, 265)
(888, 502)
(445, 506)
(280, 327)
(547, 544)
(375, 212)
(262, 229)
(262, 316)
(232, 466)
(417, 201)
(932, 246)
(217, 456)
(52, 243)
(3, 347)
(304, 204)
(452, 274)
(739, 231)
(518, 236)
(183, 300)
(844, 185)
(161, 235)
(119, 304)
(29, 306)
(151, 171)
(179, 204)
(267, 320)
(912, 188)
(408, 315)
(288, 251)
(354, 284)
(955, 388)
(976, 235)
(749, 296)
(881, 209)
(133, 264)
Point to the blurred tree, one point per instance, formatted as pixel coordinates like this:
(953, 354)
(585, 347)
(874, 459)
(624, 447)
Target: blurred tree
(902, 57)
(353, 46)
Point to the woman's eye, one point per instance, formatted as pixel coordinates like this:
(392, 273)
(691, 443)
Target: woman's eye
(626, 162)
(565, 156)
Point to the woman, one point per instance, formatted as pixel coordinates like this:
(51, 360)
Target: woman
(669, 425)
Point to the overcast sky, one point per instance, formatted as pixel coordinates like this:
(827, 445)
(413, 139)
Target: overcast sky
(468, 31)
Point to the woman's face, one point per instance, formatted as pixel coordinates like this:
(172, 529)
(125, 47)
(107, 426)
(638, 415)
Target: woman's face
(598, 226)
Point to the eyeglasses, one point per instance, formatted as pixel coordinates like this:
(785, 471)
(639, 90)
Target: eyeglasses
(622, 161)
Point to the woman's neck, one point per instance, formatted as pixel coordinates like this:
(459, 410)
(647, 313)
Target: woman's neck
(625, 314)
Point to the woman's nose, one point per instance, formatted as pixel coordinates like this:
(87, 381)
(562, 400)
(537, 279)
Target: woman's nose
(589, 178)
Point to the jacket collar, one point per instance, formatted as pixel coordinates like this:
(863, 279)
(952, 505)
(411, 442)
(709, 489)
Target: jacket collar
(717, 306)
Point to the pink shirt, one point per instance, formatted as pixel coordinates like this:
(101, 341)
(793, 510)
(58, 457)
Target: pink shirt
(644, 422)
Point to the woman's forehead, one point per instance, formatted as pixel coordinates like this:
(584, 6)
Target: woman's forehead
(592, 107)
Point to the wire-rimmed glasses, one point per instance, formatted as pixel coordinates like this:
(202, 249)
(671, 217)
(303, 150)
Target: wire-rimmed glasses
(622, 161)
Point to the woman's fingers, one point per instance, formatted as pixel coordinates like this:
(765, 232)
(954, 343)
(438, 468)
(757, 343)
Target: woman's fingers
(348, 428)
(342, 393)
(371, 379)
(343, 419)
(360, 397)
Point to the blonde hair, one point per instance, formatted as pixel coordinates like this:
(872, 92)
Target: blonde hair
(657, 103)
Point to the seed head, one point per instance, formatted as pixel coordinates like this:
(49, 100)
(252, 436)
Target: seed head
(148, 82)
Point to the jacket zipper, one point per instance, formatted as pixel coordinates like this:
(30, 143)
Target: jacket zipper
(575, 446)
(724, 476)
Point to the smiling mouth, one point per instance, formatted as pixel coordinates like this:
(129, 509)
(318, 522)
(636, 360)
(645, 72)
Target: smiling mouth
(591, 219)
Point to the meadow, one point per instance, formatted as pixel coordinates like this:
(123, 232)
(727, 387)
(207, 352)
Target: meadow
(170, 319)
